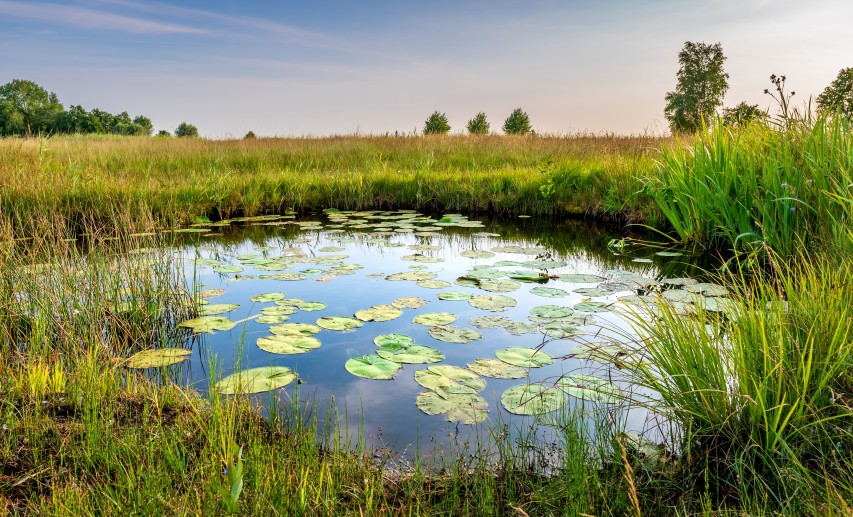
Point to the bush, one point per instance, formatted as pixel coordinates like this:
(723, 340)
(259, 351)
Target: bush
(185, 130)
(517, 123)
(164, 133)
(478, 125)
(436, 124)
(250, 135)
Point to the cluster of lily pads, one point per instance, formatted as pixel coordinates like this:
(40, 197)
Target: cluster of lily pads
(452, 391)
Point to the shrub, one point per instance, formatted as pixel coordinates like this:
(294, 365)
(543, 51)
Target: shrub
(436, 124)
(186, 130)
(478, 125)
(517, 123)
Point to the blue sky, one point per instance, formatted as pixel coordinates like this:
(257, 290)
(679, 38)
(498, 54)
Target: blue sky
(319, 68)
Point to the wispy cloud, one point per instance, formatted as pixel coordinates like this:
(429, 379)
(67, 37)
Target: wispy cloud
(84, 18)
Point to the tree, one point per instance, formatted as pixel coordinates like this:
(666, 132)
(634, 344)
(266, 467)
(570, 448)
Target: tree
(478, 125)
(163, 134)
(743, 114)
(185, 130)
(701, 85)
(838, 96)
(27, 108)
(517, 123)
(250, 135)
(436, 124)
(143, 126)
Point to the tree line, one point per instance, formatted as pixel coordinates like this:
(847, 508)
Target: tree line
(517, 123)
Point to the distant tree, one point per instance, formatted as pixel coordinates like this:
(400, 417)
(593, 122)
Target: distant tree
(250, 135)
(144, 127)
(163, 134)
(185, 130)
(838, 96)
(478, 125)
(436, 124)
(517, 123)
(742, 114)
(26, 108)
(74, 120)
(700, 88)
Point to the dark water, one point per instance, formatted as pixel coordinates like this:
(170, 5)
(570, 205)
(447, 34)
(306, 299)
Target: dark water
(384, 411)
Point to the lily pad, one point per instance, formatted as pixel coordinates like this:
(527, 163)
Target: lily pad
(310, 306)
(590, 387)
(279, 310)
(551, 311)
(411, 302)
(422, 258)
(434, 284)
(268, 297)
(679, 295)
(499, 286)
(158, 358)
(456, 296)
(288, 344)
(669, 254)
(272, 319)
(379, 313)
(228, 269)
(451, 334)
(590, 306)
(561, 329)
(544, 264)
(372, 367)
(485, 273)
(210, 293)
(339, 323)
(410, 354)
(413, 276)
(208, 324)
(497, 369)
(256, 380)
(302, 329)
(549, 292)
(532, 399)
(680, 281)
(707, 289)
(493, 303)
(393, 340)
(525, 357)
(580, 279)
(217, 308)
(286, 276)
(476, 254)
(601, 352)
(530, 277)
(592, 291)
(489, 322)
(466, 408)
(450, 379)
(434, 318)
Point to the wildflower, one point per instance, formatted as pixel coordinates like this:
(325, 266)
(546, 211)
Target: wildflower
(784, 185)
(793, 209)
(810, 182)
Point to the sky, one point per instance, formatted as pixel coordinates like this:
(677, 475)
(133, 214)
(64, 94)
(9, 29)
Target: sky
(316, 68)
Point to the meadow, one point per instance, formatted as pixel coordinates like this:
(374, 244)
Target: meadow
(761, 401)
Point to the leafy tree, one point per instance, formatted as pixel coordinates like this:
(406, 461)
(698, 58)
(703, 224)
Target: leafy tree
(838, 96)
(742, 114)
(517, 123)
(701, 85)
(186, 130)
(144, 127)
(478, 125)
(436, 124)
(163, 133)
(27, 108)
(250, 135)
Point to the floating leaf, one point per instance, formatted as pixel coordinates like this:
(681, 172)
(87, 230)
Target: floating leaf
(489, 322)
(679, 295)
(422, 258)
(497, 369)
(450, 379)
(210, 293)
(526, 357)
(590, 387)
(680, 281)
(379, 313)
(158, 357)
(286, 276)
(450, 334)
(518, 328)
(467, 408)
(228, 269)
(339, 323)
(303, 329)
(411, 302)
(561, 329)
(475, 254)
(590, 306)
(411, 354)
(493, 303)
(288, 344)
(592, 291)
(485, 273)
(707, 289)
(268, 297)
(601, 352)
(256, 380)
(372, 367)
(456, 296)
(208, 324)
(529, 277)
(217, 308)
(414, 276)
(466, 281)
(532, 399)
(549, 292)
(499, 286)
(278, 310)
(544, 264)
(580, 279)
(551, 311)
(434, 318)
(268, 319)
(310, 306)
(434, 284)
(387, 340)
(643, 260)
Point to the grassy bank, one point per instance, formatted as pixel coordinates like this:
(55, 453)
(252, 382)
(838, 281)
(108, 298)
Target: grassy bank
(92, 178)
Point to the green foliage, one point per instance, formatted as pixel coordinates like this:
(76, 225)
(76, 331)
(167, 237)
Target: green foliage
(742, 114)
(250, 135)
(478, 125)
(838, 96)
(517, 123)
(700, 87)
(26, 108)
(185, 130)
(436, 124)
(163, 133)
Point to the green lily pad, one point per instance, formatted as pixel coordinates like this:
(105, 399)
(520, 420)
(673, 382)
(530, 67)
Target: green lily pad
(707, 289)
(485, 273)
(456, 296)
(271, 319)
(476, 254)
(288, 344)
(410, 354)
(207, 262)
(592, 291)
(422, 258)
(414, 276)
(489, 322)
(643, 260)
(466, 408)
(387, 340)
(339, 323)
(497, 369)
(450, 379)
(680, 281)
(499, 286)
(434, 318)
(544, 264)
(268, 297)
(532, 399)
(210, 293)
(530, 277)
(551, 311)
(379, 313)
(493, 303)
(217, 308)
(590, 306)
(518, 328)
(549, 292)
(411, 302)
(372, 367)
(278, 310)
(601, 352)
(310, 306)
(158, 358)
(580, 279)
(561, 329)
(590, 387)
(715, 303)
(303, 329)
(525, 357)
(256, 380)
(679, 295)
(292, 277)
(434, 284)
(451, 334)
(466, 281)
(208, 324)
(228, 269)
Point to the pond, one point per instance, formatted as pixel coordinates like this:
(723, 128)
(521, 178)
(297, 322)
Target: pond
(420, 327)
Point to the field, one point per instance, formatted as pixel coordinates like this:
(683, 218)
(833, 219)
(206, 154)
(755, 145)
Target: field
(763, 415)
